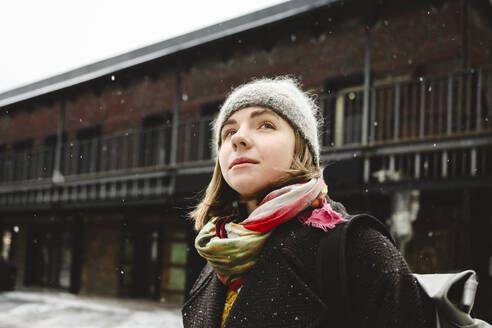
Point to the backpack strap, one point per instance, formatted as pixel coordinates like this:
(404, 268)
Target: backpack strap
(331, 267)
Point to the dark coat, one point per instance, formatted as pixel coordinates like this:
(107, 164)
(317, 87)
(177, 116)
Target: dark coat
(280, 290)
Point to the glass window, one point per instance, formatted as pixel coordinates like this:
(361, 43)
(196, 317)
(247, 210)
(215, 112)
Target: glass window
(178, 253)
(177, 279)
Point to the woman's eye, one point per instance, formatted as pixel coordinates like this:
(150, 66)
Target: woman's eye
(228, 133)
(267, 125)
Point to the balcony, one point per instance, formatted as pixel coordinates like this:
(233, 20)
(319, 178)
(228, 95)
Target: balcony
(436, 128)
(429, 129)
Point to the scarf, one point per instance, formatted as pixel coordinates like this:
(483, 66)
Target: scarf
(232, 248)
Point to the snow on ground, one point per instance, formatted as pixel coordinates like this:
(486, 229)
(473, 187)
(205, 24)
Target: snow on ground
(21, 309)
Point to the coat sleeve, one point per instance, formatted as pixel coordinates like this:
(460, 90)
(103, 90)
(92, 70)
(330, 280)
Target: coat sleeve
(382, 289)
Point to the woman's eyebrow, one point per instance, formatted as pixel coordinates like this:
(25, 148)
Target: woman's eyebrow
(229, 121)
(252, 115)
(261, 112)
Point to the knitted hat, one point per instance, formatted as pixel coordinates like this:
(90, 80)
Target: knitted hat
(282, 95)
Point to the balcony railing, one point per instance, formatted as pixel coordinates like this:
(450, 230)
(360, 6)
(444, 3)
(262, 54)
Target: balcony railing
(120, 152)
(452, 105)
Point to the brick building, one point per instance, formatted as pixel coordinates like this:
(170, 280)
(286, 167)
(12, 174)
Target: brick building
(99, 165)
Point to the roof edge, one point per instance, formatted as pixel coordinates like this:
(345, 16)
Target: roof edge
(161, 49)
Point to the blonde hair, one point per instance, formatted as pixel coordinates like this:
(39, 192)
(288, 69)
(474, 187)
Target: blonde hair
(219, 196)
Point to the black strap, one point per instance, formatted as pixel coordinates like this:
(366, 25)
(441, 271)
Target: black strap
(332, 268)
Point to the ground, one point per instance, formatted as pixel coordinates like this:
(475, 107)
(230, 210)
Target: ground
(39, 309)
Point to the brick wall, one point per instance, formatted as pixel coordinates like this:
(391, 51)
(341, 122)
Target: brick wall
(416, 39)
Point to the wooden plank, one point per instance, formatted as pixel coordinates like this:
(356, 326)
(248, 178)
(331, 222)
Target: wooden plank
(75, 159)
(134, 192)
(94, 143)
(396, 118)
(459, 105)
(74, 194)
(406, 118)
(104, 153)
(386, 111)
(146, 188)
(473, 162)
(102, 191)
(468, 102)
(417, 166)
(339, 121)
(93, 191)
(124, 151)
(124, 189)
(161, 149)
(59, 140)
(367, 169)
(136, 150)
(444, 164)
(83, 193)
(367, 84)
(449, 118)
(187, 139)
(489, 102)
(175, 128)
(440, 107)
(479, 101)
(431, 108)
(158, 186)
(373, 116)
(112, 190)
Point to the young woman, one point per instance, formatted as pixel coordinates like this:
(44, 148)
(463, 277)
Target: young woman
(263, 216)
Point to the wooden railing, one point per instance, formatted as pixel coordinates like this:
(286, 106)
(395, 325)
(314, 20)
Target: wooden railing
(449, 105)
(452, 105)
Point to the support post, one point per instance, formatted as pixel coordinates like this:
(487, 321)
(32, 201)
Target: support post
(450, 105)
(367, 82)
(396, 121)
(478, 119)
(57, 176)
(175, 129)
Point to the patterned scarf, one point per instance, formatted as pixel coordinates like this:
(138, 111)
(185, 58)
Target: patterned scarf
(233, 248)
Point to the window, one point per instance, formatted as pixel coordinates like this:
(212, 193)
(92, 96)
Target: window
(48, 155)
(86, 150)
(140, 264)
(49, 258)
(173, 277)
(342, 111)
(155, 139)
(22, 159)
(6, 244)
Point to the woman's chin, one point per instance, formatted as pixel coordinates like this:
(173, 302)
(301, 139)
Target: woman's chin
(247, 192)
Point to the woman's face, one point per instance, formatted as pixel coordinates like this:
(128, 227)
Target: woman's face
(257, 147)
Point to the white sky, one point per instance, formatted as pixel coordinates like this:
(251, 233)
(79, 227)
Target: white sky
(43, 38)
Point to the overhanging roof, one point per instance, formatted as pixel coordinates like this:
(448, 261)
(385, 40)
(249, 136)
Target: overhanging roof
(161, 49)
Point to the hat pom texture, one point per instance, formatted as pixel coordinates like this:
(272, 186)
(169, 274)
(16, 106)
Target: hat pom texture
(284, 96)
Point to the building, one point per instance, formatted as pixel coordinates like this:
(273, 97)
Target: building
(99, 165)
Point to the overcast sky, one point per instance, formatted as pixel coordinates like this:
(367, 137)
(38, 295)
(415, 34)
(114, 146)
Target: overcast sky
(44, 38)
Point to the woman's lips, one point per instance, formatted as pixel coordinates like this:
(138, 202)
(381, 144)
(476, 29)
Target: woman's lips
(242, 161)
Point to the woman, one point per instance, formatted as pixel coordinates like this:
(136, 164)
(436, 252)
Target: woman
(263, 216)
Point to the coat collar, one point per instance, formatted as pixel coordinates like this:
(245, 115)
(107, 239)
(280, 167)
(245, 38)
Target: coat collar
(275, 292)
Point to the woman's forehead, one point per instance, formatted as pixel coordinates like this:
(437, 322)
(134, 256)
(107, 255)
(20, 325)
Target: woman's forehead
(252, 111)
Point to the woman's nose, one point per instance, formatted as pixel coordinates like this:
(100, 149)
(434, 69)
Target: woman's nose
(240, 139)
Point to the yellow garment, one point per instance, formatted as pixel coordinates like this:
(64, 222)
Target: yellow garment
(230, 298)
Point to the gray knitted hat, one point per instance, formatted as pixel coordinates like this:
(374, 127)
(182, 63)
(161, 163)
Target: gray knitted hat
(284, 96)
